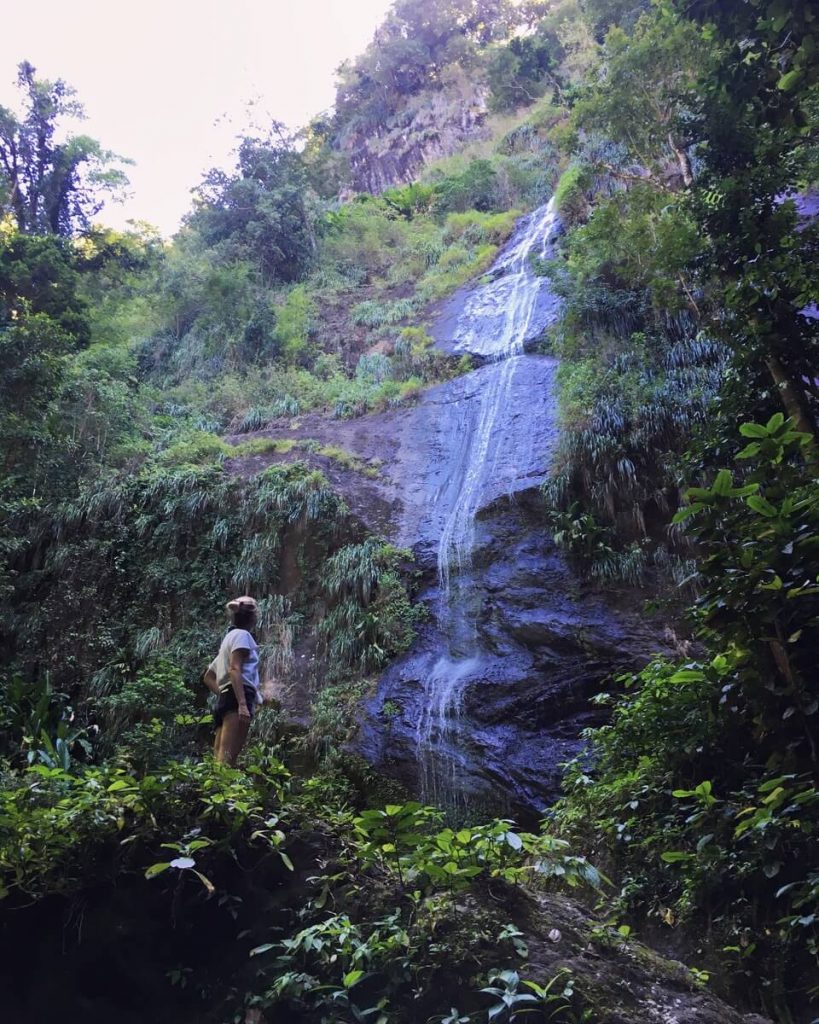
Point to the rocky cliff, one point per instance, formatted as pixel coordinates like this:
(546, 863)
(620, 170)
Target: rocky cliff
(492, 698)
(427, 126)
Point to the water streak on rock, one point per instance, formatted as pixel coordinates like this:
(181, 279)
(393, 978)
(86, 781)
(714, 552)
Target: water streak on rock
(497, 319)
(495, 692)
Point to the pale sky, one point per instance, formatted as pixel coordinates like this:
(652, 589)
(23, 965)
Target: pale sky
(155, 77)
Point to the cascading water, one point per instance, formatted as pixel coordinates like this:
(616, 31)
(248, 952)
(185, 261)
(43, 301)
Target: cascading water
(496, 321)
(494, 694)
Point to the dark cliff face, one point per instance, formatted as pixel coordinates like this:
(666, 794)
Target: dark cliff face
(428, 126)
(492, 700)
(546, 643)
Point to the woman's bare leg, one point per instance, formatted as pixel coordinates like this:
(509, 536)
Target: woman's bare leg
(217, 745)
(234, 733)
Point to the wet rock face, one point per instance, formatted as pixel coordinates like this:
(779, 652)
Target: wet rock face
(620, 983)
(482, 317)
(432, 460)
(493, 697)
(546, 643)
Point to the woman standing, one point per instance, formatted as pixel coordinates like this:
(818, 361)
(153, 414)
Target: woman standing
(234, 676)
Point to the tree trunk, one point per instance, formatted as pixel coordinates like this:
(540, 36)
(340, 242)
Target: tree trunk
(792, 397)
(682, 159)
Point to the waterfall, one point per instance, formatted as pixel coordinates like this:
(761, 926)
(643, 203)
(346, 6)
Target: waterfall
(497, 319)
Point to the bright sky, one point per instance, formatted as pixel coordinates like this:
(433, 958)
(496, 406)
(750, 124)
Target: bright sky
(155, 76)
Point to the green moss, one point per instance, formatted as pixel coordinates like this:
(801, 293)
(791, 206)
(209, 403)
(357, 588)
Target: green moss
(480, 228)
(347, 460)
(265, 445)
(286, 445)
(459, 267)
(198, 448)
(571, 194)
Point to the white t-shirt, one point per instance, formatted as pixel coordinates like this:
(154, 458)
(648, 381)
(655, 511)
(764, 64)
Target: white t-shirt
(238, 640)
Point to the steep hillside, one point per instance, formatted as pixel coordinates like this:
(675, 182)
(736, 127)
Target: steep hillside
(472, 442)
(426, 85)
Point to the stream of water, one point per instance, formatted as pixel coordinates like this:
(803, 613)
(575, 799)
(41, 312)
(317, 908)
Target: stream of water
(497, 318)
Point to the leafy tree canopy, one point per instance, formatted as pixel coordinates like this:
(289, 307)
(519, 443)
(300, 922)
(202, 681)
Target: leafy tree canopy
(260, 211)
(602, 14)
(643, 92)
(758, 112)
(49, 187)
(39, 274)
(519, 72)
(416, 41)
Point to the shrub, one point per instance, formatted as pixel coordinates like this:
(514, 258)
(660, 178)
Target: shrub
(571, 195)
(374, 367)
(479, 228)
(197, 448)
(372, 618)
(474, 188)
(703, 785)
(456, 267)
(148, 717)
(294, 321)
(375, 314)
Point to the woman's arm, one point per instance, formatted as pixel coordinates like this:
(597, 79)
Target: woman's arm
(209, 679)
(237, 660)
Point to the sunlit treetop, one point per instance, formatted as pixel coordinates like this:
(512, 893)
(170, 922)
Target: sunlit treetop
(46, 186)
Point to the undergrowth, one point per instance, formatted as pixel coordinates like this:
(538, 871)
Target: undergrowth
(700, 795)
(374, 927)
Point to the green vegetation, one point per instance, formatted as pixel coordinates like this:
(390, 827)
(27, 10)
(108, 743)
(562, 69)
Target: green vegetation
(702, 799)
(570, 195)
(417, 44)
(651, 352)
(276, 534)
(683, 277)
(676, 138)
(172, 834)
(51, 187)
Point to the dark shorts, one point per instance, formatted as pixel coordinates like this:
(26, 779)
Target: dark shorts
(227, 702)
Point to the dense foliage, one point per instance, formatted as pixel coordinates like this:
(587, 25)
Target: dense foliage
(687, 265)
(413, 48)
(49, 186)
(258, 214)
(703, 793)
(373, 930)
(680, 143)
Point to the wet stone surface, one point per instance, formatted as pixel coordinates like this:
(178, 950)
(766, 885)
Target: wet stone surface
(481, 318)
(546, 643)
(492, 699)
